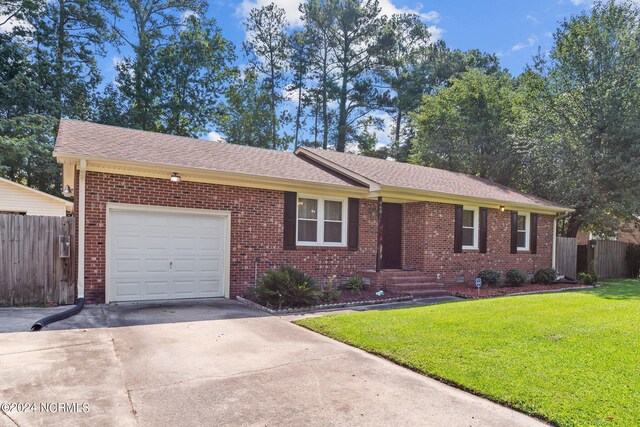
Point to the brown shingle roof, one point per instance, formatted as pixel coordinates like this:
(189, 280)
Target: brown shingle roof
(94, 141)
(404, 175)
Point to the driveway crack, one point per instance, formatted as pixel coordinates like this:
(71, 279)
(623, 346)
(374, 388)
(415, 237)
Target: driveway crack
(124, 379)
(243, 373)
(10, 419)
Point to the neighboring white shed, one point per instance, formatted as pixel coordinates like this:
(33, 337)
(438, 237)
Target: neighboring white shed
(18, 199)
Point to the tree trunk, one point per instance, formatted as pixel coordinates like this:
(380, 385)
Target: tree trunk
(274, 138)
(341, 143)
(573, 225)
(60, 57)
(398, 124)
(325, 116)
(298, 114)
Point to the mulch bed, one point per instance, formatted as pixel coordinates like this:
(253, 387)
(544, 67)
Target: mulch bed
(467, 291)
(346, 299)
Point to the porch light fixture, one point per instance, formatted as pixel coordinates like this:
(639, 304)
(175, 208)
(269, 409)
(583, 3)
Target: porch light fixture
(67, 191)
(175, 177)
(501, 208)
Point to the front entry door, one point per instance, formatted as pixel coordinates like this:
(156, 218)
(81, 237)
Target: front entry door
(392, 235)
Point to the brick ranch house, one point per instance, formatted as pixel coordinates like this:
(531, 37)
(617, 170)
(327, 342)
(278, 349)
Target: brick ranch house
(166, 217)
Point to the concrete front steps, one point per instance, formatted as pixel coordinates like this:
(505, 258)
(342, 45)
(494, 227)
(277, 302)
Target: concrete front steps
(415, 283)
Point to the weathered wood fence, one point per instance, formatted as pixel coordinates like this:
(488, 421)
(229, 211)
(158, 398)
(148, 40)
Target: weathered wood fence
(32, 271)
(566, 256)
(610, 258)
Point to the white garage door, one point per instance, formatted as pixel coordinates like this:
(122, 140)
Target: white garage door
(166, 254)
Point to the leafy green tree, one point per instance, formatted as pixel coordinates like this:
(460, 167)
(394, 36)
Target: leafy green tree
(193, 69)
(319, 19)
(26, 143)
(406, 42)
(590, 107)
(299, 60)
(354, 47)
(267, 46)
(245, 118)
(48, 70)
(149, 26)
(468, 128)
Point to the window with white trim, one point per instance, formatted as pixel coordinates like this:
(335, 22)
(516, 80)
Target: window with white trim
(321, 221)
(470, 227)
(522, 229)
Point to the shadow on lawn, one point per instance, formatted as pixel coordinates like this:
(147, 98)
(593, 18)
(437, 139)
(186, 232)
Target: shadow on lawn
(619, 289)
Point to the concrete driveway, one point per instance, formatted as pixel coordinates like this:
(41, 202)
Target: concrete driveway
(216, 363)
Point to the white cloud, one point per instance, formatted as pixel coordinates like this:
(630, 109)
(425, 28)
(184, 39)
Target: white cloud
(289, 6)
(530, 42)
(214, 136)
(186, 15)
(387, 8)
(12, 23)
(532, 17)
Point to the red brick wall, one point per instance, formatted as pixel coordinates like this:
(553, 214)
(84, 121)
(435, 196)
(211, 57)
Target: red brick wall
(428, 243)
(256, 228)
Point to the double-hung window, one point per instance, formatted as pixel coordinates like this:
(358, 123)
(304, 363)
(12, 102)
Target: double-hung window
(522, 230)
(470, 228)
(321, 221)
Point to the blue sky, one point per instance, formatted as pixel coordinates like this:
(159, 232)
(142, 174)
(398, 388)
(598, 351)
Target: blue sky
(513, 29)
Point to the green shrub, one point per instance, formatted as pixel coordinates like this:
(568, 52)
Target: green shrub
(515, 277)
(490, 277)
(287, 287)
(585, 278)
(633, 259)
(591, 269)
(330, 291)
(354, 284)
(545, 276)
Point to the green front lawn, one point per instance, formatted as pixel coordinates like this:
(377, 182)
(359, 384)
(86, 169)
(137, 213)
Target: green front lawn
(572, 358)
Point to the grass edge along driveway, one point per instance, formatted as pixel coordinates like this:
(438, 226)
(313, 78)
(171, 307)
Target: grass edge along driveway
(572, 358)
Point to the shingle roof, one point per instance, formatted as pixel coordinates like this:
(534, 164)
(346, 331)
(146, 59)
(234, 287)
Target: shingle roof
(404, 175)
(94, 141)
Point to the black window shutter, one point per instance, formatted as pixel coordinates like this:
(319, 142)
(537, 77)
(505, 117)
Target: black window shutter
(514, 232)
(533, 238)
(482, 234)
(290, 206)
(353, 223)
(457, 231)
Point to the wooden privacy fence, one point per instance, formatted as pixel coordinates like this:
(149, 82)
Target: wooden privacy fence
(566, 256)
(609, 257)
(37, 260)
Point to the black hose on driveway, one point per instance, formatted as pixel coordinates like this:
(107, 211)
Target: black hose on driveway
(58, 316)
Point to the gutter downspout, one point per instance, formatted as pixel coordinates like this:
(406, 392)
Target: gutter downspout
(81, 236)
(379, 240)
(81, 225)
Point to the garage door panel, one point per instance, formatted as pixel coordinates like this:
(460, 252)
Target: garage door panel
(185, 287)
(210, 286)
(184, 265)
(157, 265)
(157, 243)
(165, 255)
(128, 265)
(126, 241)
(210, 265)
(126, 289)
(156, 288)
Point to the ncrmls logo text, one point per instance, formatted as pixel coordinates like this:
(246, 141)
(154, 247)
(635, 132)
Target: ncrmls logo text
(65, 407)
